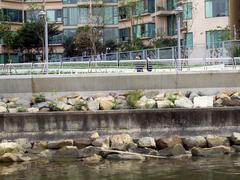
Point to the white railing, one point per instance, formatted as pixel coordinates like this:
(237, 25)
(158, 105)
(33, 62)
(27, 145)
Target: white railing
(123, 66)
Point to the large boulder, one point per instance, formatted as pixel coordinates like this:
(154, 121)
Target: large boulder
(67, 152)
(163, 143)
(123, 156)
(147, 142)
(10, 147)
(148, 151)
(209, 152)
(89, 151)
(235, 138)
(102, 142)
(94, 136)
(197, 141)
(82, 143)
(14, 157)
(175, 150)
(203, 102)
(59, 144)
(183, 102)
(92, 159)
(213, 140)
(121, 141)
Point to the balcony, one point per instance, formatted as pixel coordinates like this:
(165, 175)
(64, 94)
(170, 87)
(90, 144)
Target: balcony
(162, 11)
(87, 2)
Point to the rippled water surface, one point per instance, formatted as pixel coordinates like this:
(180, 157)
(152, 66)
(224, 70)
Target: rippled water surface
(224, 168)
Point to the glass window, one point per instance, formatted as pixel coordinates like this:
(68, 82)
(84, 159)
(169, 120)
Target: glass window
(13, 15)
(31, 15)
(171, 4)
(138, 9)
(187, 13)
(84, 15)
(110, 15)
(110, 34)
(214, 38)
(123, 13)
(189, 40)
(149, 6)
(70, 1)
(124, 34)
(54, 15)
(171, 25)
(58, 39)
(216, 8)
(69, 32)
(70, 16)
(144, 30)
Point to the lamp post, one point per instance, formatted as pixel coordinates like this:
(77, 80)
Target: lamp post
(43, 15)
(179, 11)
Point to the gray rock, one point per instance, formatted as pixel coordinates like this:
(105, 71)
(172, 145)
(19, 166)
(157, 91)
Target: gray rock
(147, 151)
(163, 143)
(63, 106)
(197, 141)
(121, 141)
(235, 138)
(59, 144)
(24, 143)
(193, 95)
(67, 152)
(14, 157)
(183, 102)
(93, 105)
(203, 102)
(82, 143)
(106, 103)
(12, 110)
(164, 104)
(92, 159)
(102, 142)
(236, 148)
(10, 147)
(210, 152)
(175, 150)
(147, 142)
(121, 104)
(41, 105)
(3, 109)
(48, 154)
(89, 151)
(125, 156)
(3, 104)
(94, 136)
(32, 110)
(150, 104)
(213, 140)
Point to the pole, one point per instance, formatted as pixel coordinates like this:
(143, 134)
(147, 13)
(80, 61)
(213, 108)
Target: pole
(46, 45)
(179, 40)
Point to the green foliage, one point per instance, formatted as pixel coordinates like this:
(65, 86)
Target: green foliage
(133, 45)
(133, 97)
(163, 42)
(38, 98)
(115, 104)
(53, 107)
(80, 105)
(21, 109)
(235, 51)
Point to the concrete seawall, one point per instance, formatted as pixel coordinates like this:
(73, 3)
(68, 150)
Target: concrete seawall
(116, 82)
(138, 123)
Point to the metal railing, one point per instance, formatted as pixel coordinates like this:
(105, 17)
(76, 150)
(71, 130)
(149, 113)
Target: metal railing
(123, 66)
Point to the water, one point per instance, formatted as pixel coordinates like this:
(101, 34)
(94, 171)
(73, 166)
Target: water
(224, 168)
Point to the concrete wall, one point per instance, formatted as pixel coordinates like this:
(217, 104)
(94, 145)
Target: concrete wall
(116, 82)
(138, 123)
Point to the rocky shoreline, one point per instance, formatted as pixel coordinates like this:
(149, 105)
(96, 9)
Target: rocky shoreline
(120, 147)
(137, 99)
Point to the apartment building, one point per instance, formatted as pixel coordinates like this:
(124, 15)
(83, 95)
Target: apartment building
(203, 21)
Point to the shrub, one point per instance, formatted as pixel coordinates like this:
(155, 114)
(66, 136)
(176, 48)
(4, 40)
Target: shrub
(21, 109)
(39, 98)
(133, 97)
(53, 106)
(80, 105)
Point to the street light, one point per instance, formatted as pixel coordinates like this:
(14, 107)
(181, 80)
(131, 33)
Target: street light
(43, 14)
(178, 12)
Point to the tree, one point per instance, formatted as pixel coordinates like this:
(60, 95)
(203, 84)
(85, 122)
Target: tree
(163, 41)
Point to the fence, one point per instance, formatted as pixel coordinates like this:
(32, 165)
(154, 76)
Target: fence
(123, 66)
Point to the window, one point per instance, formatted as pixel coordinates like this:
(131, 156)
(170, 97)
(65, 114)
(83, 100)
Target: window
(70, 1)
(216, 8)
(149, 6)
(84, 15)
(188, 40)
(54, 15)
(69, 32)
(187, 13)
(171, 4)
(214, 38)
(58, 39)
(31, 15)
(110, 34)
(123, 13)
(70, 16)
(110, 15)
(144, 30)
(171, 25)
(13, 15)
(124, 34)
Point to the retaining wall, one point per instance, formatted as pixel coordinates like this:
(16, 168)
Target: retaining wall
(138, 123)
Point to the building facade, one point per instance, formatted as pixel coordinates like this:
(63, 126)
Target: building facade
(203, 24)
